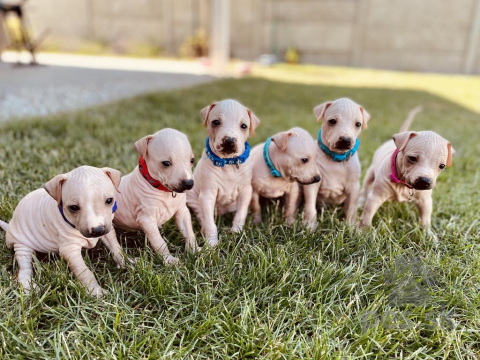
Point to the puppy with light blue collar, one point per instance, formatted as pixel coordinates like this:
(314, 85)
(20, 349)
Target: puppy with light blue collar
(223, 176)
(280, 164)
(337, 159)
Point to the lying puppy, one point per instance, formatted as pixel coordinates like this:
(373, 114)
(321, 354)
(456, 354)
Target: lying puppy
(406, 169)
(154, 192)
(72, 212)
(223, 176)
(337, 159)
(279, 165)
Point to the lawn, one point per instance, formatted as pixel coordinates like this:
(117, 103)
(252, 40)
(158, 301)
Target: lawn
(274, 291)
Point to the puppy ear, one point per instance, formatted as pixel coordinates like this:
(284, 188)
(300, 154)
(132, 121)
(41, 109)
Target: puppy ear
(114, 175)
(205, 111)
(254, 121)
(319, 111)
(54, 187)
(366, 117)
(401, 139)
(142, 145)
(451, 151)
(281, 140)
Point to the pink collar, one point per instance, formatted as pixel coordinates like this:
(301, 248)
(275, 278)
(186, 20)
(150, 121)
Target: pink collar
(393, 176)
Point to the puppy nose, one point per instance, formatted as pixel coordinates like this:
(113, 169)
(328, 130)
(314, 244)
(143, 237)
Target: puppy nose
(344, 142)
(316, 178)
(230, 140)
(98, 231)
(187, 184)
(423, 183)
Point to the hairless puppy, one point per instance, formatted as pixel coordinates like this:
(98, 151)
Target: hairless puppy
(223, 176)
(406, 169)
(72, 212)
(337, 159)
(155, 191)
(279, 165)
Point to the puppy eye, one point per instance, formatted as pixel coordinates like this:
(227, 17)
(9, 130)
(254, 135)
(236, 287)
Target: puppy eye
(442, 166)
(358, 124)
(192, 160)
(166, 163)
(216, 122)
(109, 201)
(332, 121)
(304, 160)
(74, 208)
(244, 126)
(412, 159)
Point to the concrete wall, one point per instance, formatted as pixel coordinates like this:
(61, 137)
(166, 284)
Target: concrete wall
(420, 35)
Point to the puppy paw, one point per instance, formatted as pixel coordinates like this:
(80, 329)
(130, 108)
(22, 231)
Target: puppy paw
(126, 262)
(311, 225)
(192, 248)
(97, 292)
(171, 260)
(289, 221)
(257, 218)
(236, 228)
(212, 242)
(363, 225)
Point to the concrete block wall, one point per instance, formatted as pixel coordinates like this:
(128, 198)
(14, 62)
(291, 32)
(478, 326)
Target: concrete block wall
(417, 35)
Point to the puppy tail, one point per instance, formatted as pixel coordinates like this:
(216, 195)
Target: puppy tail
(411, 116)
(3, 225)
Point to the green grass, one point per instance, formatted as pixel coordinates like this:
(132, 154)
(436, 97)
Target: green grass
(274, 291)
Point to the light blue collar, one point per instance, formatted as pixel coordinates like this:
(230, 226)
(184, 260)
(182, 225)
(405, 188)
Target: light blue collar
(335, 156)
(274, 172)
(218, 161)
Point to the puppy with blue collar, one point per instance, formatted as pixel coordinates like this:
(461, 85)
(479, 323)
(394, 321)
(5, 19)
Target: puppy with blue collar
(73, 211)
(337, 159)
(284, 161)
(223, 176)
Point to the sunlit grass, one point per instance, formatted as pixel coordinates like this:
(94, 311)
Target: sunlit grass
(273, 292)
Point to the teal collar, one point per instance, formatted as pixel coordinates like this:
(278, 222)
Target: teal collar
(274, 172)
(335, 156)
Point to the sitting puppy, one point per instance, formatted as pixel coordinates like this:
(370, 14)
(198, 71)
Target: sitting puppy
(337, 159)
(72, 212)
(279, 165)
(406, 169)
(223, 176)
(154, 192)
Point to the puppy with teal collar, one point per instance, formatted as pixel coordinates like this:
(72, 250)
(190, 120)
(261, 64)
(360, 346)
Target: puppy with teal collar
(223, 176)
(337, 159)
(284, 161)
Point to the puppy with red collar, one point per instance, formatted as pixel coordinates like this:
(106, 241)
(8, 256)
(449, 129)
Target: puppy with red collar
(155, 191)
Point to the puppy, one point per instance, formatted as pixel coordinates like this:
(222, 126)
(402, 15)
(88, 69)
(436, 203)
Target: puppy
(337, 159)
(223, 176)
(72, 212)
(155, 191)
(406, 169)
(279, 165)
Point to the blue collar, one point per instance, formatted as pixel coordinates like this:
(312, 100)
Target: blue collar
(335, 156)
(218, 161)
(60, 208)
(274, 172)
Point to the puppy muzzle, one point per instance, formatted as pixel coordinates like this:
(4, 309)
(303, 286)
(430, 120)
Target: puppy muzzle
(183, 186)
(229, 145)
(344, 143)
(423, 183)
(313, 180)
(96, 232)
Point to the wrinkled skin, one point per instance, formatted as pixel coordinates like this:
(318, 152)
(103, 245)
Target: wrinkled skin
(169, 158)
(422, 157)
(228, 188)
(88, 196)
(343, 120)
(294, 155)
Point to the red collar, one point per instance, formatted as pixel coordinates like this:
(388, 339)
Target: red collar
(393, 175)
(142, 167)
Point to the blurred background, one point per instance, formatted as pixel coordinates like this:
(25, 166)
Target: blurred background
(428, 35)
(94, 52)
